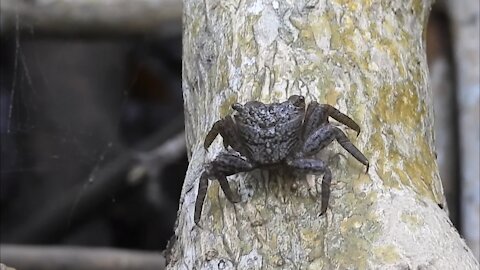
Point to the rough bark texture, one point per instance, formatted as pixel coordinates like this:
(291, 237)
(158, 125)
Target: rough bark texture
(367, 58)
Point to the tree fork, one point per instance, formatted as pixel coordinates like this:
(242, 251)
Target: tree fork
(366, 58)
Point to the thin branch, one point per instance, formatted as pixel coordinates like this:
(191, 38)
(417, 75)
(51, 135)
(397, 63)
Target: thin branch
(76, 258)
(81, 17)
(4, 267)
(52, 220)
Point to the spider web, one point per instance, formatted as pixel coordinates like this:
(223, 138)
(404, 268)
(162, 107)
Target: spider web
(44, 150)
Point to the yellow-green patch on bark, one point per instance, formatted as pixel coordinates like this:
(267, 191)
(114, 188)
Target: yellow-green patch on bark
(387, 254)
(358, 231)
(412, 220)
(226, 107)
(414, 168)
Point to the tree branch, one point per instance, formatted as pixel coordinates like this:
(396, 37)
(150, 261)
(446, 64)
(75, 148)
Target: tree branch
(49, 221)
(76, 258)
(82, 17)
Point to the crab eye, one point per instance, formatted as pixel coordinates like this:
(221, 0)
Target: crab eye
(297, 100)
(237, 107)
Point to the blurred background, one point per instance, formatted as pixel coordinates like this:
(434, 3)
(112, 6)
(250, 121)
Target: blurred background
(91, 122)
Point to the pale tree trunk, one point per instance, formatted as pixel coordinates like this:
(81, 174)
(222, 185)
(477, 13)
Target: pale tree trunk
(367, 58)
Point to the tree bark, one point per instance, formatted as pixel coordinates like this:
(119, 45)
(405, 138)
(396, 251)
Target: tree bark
(367, 58)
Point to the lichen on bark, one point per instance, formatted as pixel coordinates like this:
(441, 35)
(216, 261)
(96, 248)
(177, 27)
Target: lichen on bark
(366, 58)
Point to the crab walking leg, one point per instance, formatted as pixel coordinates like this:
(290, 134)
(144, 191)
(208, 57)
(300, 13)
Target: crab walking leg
(313, 119)
(223, 127)
(317, 167)
(201, 193)
(323, 136)
(326, 181)
(225, 164)
(342, 118)
(317, 115)
(212, 134)
(348, 145)
(227, 129)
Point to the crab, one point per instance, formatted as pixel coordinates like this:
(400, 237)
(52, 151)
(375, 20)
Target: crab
(272, 136)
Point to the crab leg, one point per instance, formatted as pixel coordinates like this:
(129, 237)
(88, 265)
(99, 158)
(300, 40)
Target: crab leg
(317, 114)
(212, 134)
(225, 164)
(228, 130)
(323, 136)
(201, 193)
(314, 166)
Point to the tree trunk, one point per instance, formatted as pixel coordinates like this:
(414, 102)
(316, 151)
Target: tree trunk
(367, 58)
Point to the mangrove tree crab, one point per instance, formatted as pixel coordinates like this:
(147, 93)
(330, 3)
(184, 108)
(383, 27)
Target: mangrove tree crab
(269, 136)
